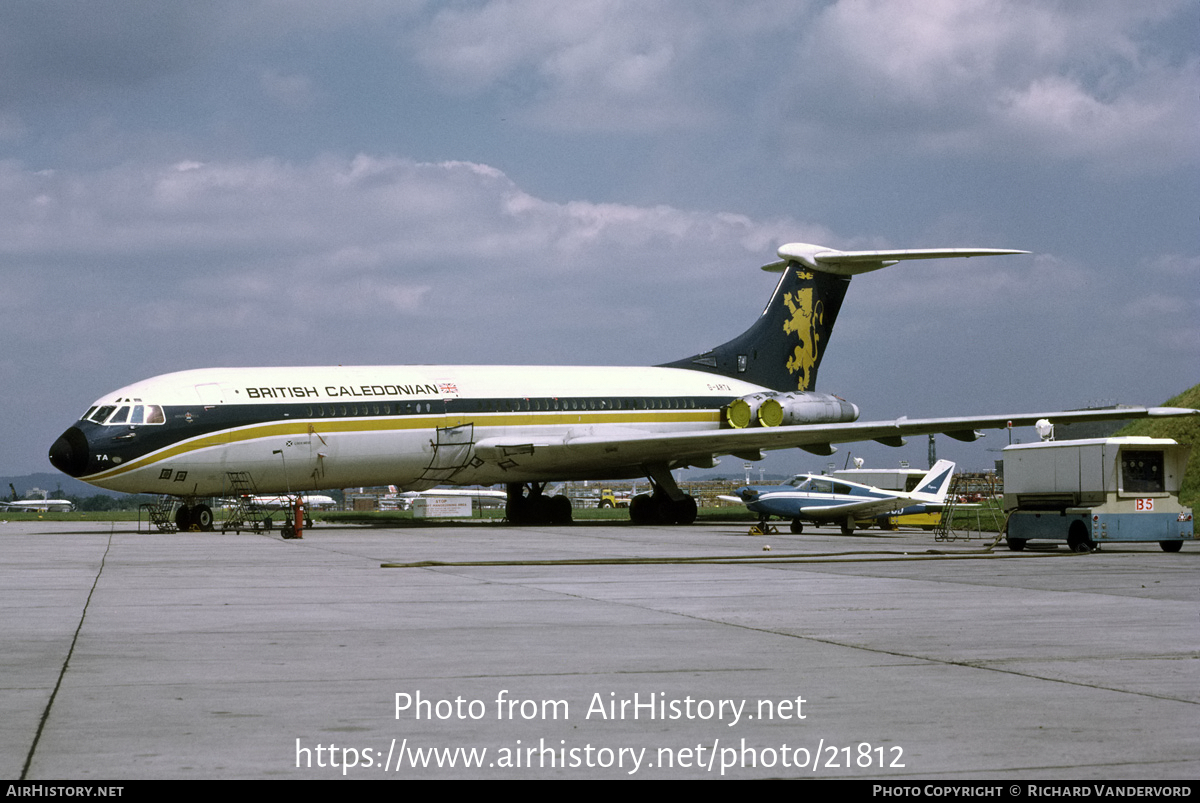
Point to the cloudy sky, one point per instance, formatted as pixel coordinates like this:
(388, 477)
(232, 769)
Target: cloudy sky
(215, 183)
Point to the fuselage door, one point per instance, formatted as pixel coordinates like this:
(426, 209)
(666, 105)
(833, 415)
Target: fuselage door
(452, 452)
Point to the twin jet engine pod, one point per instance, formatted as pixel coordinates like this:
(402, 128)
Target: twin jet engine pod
(771, 409)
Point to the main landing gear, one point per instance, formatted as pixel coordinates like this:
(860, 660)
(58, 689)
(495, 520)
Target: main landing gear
(194, 517)
(528, 505)
(659, 508)
(667, 504)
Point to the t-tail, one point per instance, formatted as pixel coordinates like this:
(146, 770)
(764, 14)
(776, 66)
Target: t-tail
(783, 349)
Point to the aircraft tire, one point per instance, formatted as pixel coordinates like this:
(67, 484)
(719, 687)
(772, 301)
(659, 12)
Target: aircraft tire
(202, 517)
(559, 508)
(641, 509)
(848, 527)
(1015, 544)
(515, 509)
(183, 518)
(797, 526)
(1171, 546)
(683, 511)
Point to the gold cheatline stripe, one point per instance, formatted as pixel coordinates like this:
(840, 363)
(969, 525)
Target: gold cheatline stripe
(332, 425)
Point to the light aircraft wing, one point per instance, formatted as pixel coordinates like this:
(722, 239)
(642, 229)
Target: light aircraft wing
(808, 508)
(840, 510)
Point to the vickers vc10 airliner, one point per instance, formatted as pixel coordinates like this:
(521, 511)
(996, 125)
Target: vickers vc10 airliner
(420, 426)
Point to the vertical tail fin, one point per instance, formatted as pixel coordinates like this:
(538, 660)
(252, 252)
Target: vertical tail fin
(784, 347)
(937, 482)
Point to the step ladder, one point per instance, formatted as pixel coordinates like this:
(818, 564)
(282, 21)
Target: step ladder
(246, 513)
(960, 486)
(160, 514)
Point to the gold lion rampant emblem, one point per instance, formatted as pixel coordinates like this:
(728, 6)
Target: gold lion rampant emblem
(805, 319)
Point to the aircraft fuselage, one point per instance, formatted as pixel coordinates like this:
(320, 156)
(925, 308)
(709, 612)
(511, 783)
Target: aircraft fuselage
(410, 426)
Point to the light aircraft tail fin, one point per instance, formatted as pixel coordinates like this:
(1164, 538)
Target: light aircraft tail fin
(937, 482)
(784, 347)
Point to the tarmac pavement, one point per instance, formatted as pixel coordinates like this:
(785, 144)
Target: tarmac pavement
(549, 652)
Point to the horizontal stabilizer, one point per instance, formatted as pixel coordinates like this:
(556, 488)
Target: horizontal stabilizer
(852, 263)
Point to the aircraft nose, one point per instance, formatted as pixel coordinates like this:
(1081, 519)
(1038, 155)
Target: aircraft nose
(69, 454)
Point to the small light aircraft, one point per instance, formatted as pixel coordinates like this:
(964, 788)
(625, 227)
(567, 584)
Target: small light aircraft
(420, 426)
(822, 499)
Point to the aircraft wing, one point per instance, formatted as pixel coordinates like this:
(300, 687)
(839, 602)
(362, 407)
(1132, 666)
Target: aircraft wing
(631, 447)
(865, 508)
(831, 510)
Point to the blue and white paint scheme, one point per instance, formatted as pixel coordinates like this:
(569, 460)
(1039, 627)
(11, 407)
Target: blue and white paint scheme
(823, 499)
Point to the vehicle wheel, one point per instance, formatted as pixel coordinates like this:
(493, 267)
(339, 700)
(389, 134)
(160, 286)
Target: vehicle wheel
(183, 518)
(202, 517)
(797, 526)
(1171, 546)
(848, 527)
(1015, 544)
(1077, 538)
(605, 503)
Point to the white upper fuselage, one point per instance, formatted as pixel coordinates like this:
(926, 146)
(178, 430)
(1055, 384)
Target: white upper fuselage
(411, 426)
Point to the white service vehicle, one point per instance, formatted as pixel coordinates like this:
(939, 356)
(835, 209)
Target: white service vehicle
(1088, 492)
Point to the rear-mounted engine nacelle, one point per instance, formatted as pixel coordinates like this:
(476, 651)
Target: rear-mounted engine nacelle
(771, 409)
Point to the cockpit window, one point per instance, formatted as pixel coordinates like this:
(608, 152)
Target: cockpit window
(98, 414)
(131, 415)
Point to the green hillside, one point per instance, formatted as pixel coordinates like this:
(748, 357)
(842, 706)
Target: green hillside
(1182, 429)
